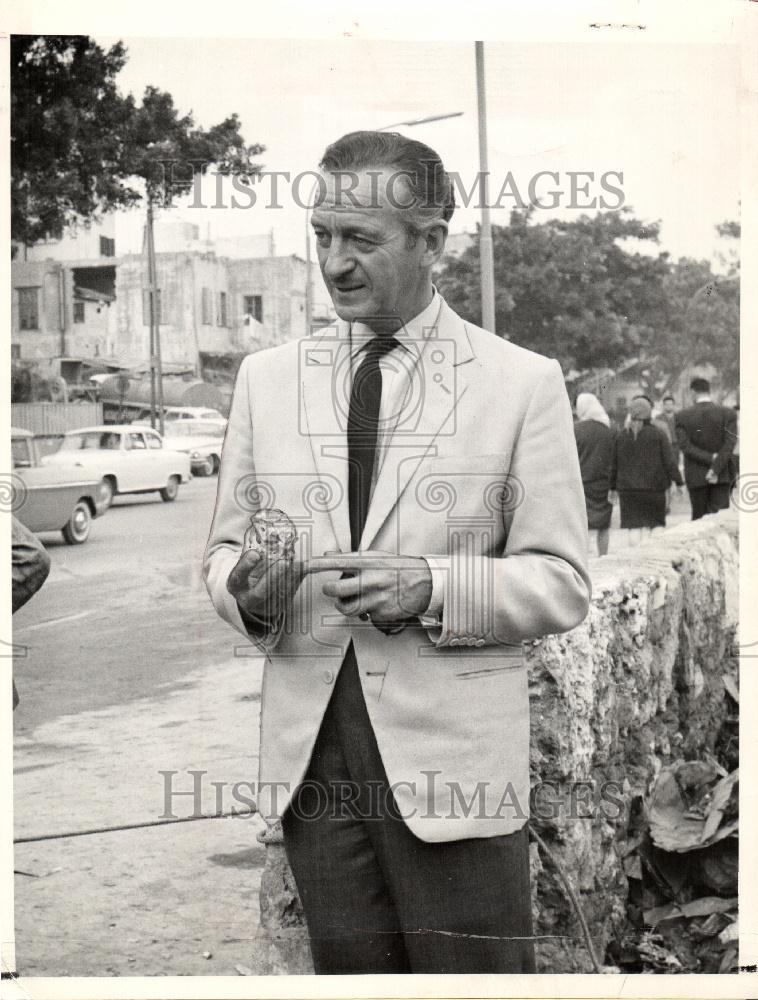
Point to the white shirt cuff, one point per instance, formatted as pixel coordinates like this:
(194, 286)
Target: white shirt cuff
(438, 568)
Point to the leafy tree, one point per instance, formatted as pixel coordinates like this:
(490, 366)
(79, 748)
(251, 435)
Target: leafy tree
(702, 319)
(578, 290)
(68, 126)
(77, 144)
(167, 150)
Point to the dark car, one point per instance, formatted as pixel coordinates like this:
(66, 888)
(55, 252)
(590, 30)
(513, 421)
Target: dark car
(52, 498)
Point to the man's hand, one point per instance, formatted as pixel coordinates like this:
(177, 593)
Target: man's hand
(386, 587)
(262, 588)
(711, 477)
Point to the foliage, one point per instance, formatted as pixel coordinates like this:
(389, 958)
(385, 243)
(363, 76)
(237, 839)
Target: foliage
(77, 144)
(702, 320)
(568, 289)
(167, 151)
(68, 124)
(594, 293)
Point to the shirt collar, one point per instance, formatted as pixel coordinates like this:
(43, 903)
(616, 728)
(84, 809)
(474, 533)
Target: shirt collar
(704, 397)
(414, 331)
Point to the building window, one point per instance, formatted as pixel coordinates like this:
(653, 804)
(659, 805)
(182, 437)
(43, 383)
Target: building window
(78, 312)
(107, 247)
(221, 318)
(28, 308)
(146, 307)
(15, 351)
(207, 307)
(253, 306)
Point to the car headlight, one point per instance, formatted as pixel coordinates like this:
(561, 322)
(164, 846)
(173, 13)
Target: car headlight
(195, 454)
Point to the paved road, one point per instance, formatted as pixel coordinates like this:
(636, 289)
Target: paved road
(130, 676)
(123, 615)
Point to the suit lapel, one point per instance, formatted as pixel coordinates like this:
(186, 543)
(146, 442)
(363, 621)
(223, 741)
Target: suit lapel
(438, 385)
(325, 386)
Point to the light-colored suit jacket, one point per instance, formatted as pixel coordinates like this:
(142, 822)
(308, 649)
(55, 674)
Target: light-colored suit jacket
(481, 472)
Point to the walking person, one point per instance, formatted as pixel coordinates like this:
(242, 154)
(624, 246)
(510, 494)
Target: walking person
(707, 433)
(642, 470)
(594, 443)
(666, 420)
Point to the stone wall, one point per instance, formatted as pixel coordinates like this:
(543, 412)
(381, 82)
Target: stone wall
(637, 685)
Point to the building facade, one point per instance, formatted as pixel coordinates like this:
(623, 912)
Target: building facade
(76, 300)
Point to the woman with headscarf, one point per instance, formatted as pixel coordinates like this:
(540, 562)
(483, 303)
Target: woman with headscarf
(594, 442)
(643, 468)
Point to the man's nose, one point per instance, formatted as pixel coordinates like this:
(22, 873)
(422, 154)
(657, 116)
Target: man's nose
(338, 261)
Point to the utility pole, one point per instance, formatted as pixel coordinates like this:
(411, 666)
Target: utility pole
(486, 261)
(156, 370)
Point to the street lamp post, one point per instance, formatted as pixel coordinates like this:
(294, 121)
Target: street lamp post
(486, 260)
(309, 270)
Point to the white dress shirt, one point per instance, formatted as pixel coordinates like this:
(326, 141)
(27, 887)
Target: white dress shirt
(398, 368)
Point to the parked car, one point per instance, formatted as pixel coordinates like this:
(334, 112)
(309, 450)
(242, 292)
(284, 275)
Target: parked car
(124, 459)
(202, 440)
(172, 413)
(59, 498)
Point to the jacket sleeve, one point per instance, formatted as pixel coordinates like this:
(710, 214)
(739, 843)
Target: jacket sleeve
(689, 449)
(721, 463)
(613, 478)
(235, 502)
(30, 564)
(540, 584)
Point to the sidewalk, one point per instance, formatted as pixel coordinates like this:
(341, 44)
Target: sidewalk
(150, 901)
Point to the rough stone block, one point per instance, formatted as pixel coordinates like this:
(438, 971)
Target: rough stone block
(636, 685)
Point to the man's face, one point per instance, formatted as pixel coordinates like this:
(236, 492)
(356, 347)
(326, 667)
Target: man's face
(668, 405)
(373, 269)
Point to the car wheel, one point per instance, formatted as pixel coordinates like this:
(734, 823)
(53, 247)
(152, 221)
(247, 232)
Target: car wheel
(171, 490)
(105, 494)
(216, 464)
(76, 531)
(206, 469)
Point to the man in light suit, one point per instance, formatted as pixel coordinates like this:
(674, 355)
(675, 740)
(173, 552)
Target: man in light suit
(435, 464)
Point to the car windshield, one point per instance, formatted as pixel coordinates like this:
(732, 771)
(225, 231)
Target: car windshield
(91, 439)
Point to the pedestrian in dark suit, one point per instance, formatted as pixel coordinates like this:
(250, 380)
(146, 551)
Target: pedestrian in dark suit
(706, 433)
(666, 420)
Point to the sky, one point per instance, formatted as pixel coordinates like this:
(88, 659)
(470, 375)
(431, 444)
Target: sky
(662, 114)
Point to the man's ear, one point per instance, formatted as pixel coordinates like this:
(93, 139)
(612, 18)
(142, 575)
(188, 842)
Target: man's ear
(434, 243)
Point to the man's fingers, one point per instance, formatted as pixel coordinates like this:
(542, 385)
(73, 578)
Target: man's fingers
(348, 608)
(342, 589)
(356, 561)
(245, 565)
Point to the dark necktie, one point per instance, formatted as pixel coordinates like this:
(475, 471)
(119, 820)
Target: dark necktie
(362, 427)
